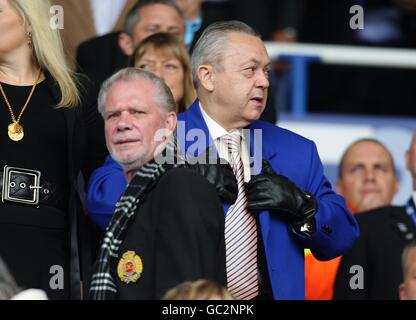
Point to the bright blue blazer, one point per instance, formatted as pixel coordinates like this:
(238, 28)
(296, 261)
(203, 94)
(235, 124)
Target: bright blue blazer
(290, 155)
(296, 158)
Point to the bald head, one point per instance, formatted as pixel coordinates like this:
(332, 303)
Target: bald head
(367, 176)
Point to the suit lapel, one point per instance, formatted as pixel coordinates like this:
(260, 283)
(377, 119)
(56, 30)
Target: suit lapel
(193, 127)
(193, 134)
(259, 150)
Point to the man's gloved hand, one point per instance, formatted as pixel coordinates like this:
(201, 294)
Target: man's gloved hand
(271, 191)
(220, 175)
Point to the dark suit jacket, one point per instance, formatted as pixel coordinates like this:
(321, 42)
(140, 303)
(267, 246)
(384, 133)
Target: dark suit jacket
(384, 234)
(100, 57)
(178, 232)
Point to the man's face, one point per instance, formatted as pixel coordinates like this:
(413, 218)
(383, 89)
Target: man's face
(132, 118)
(408, 288)
(240, 82)
(368, 179)
(158, 18)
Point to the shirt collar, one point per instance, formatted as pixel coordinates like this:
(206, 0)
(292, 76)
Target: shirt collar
(194, 24)
(215, 129)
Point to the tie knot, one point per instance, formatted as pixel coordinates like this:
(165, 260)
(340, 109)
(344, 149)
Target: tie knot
(233, 141)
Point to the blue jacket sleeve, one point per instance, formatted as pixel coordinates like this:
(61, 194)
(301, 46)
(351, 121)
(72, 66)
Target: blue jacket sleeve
(105, 187)
(336, 228)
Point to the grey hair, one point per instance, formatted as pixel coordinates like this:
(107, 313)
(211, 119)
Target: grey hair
(212, 43)
(133, 16)
(163, 95)
(8, 286)
(405, 256)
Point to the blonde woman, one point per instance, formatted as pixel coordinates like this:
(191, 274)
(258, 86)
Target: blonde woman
(49, 134)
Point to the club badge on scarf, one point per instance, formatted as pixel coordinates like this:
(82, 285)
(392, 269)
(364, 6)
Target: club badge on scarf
(130, 267)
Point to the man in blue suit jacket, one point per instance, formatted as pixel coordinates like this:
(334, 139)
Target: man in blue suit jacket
(230, 69)
(287, 192)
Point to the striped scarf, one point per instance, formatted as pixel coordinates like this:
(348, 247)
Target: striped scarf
(103, 286)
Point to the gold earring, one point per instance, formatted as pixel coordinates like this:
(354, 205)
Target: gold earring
(29, 39)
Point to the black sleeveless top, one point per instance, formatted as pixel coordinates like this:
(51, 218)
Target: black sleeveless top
(34, 238)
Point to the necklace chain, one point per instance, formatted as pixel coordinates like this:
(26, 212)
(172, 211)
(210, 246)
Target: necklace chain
(26, 103)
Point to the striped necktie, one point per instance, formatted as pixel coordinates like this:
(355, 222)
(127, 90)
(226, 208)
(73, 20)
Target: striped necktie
(240, 233)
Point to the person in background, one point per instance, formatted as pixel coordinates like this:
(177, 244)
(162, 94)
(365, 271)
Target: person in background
(201, 13)
(84, 20)
(201, 289)
(367, 180)
(144, 19)
(385, 232)
(192, 10)
(407, 289)
(367, 176)
(165, 55)
(51, 137)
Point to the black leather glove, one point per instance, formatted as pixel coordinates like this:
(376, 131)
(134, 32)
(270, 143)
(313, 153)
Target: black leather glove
(220, 175)
(274, 192)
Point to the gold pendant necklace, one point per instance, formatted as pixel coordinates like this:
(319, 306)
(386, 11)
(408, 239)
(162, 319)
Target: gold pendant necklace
(15, 130)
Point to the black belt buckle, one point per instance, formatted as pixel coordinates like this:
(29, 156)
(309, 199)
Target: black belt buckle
(21, 185)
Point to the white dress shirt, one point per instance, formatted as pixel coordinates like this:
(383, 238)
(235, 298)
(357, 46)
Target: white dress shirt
(217, 132)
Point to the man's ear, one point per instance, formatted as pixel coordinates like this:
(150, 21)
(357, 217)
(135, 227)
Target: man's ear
(171, 121)
(125, 42)
(206, 76)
